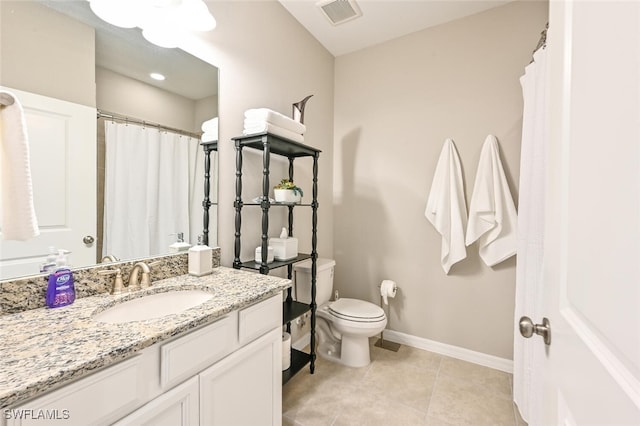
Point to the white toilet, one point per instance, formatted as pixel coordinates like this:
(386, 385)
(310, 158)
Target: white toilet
(343, 326)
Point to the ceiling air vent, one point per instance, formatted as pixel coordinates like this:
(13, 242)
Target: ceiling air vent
(339, 11)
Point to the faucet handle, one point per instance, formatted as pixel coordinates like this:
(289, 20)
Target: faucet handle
(118, 285)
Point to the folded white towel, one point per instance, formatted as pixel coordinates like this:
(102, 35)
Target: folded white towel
(492, 214)
(19, 220)
(273, 117)
(446, 208)
(210, 125)
(209, 136)
(276, 130)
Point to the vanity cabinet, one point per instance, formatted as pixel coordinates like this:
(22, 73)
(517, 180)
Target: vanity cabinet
(271, 144)
(220, 374)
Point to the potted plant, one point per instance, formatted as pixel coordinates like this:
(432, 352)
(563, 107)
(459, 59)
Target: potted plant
(287, 192)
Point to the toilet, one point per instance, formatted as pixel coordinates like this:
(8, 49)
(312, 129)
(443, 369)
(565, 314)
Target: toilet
(343, 326)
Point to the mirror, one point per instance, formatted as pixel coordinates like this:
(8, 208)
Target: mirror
(59, 51)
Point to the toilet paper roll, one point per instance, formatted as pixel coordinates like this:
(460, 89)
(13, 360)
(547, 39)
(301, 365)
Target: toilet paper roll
(388, 289)
(286, 351)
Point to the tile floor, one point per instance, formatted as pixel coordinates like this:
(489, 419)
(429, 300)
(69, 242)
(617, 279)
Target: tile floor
(408, 387)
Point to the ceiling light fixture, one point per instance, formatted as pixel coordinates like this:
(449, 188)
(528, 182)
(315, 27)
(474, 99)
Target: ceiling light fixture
(163, 22)
(157, 76)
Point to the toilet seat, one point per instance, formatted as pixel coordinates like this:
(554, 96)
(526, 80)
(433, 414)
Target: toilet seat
(355, 310)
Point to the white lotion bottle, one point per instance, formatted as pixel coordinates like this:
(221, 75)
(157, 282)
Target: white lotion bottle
(200, 259)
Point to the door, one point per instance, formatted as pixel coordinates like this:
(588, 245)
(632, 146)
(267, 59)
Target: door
(62, 144)
(591, 370)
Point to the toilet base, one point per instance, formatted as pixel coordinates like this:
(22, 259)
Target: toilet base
(352, 352)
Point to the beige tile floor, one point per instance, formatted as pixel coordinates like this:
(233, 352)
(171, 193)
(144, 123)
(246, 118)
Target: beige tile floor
(408, 387)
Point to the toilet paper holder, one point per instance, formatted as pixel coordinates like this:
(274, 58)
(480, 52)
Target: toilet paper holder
(395, 286)
(381, 343)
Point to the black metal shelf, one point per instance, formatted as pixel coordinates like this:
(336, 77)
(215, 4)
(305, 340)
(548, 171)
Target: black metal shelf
(292, 310)
(272, 144)
(298, 361)
(277, 145)
(279, 204)
(252, 264)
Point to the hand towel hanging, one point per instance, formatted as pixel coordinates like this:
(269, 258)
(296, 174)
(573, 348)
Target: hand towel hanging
(446, 208)
(19, 220)
(492, 213)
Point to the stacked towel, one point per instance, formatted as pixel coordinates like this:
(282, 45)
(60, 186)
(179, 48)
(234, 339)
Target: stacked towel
(19, 220)
(260, 120)
(492, 213)
(210, 130)
(446, 208)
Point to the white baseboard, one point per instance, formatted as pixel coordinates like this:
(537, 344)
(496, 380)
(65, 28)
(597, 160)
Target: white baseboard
(457, 352)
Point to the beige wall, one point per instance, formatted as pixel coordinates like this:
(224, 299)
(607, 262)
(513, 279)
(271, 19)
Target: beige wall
(395, 104)
(55, 54)
(267, 59)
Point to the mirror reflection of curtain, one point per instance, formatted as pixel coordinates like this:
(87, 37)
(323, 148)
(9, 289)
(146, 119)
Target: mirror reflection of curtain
(147, 189)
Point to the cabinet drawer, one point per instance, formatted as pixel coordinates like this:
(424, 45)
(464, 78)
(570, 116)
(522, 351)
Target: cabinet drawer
(95, 400)
(260, 318)
(188, 355)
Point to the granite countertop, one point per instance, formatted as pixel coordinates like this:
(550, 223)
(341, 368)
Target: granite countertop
(43, 348)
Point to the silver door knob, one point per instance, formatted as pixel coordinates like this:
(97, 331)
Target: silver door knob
(88, 240)
(528, 328)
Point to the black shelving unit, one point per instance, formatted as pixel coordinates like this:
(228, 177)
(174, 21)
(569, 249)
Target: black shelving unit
(207, 203)
(271, 144)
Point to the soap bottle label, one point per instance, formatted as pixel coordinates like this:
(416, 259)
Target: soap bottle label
(60, 290)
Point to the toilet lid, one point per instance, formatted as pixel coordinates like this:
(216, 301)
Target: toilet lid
(356, 310)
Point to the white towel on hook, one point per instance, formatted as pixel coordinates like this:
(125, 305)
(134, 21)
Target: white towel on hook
(492, 213)
(19, 220)
(446, 208)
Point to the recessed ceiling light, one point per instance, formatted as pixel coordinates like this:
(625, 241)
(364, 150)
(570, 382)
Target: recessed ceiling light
(156, 76)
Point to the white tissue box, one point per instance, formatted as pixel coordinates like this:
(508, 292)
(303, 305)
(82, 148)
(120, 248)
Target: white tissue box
(258, 254)
(284, 248)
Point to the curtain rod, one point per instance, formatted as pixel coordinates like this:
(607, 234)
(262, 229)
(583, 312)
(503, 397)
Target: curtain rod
(124, 119)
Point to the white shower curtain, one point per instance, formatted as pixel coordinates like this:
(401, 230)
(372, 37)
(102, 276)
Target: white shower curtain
(531, 210)
(147, 189)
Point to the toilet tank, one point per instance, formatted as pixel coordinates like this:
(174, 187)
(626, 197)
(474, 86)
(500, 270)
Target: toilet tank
(324, 280)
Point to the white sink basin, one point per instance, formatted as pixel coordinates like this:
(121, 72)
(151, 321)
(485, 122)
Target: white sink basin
(153, 306)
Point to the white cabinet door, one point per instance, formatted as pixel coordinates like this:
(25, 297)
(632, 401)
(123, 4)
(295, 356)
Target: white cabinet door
(178, 407)
(246, 387)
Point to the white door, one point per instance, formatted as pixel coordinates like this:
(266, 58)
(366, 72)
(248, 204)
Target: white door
(591, 369)
(62, 144)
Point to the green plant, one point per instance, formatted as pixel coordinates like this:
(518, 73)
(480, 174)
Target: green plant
(288, 184)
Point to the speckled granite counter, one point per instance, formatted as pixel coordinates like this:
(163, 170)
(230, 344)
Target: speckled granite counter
(43, 348)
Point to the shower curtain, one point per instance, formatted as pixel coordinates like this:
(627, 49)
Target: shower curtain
(148, 189)
(531, 211)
